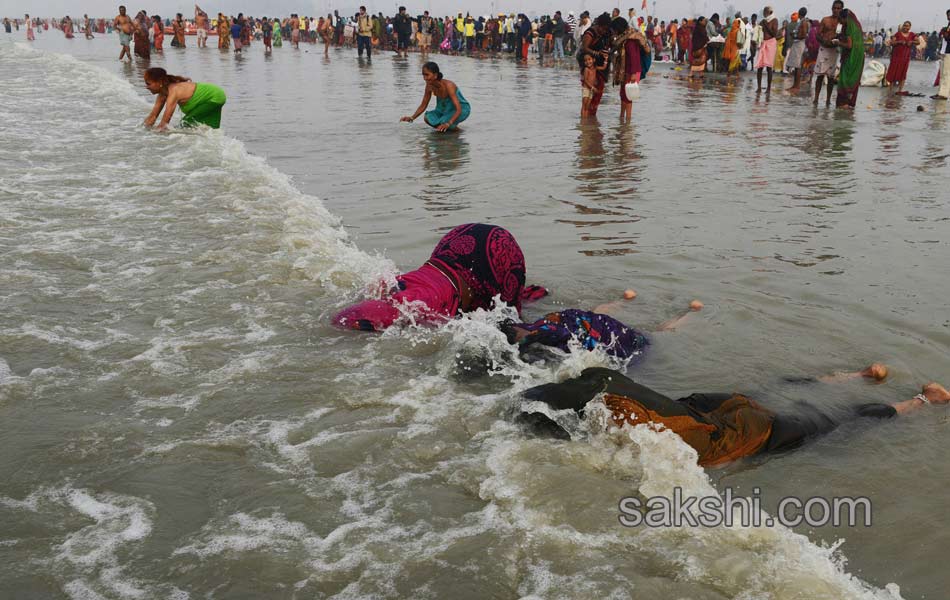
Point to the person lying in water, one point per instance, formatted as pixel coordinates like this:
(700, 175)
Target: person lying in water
(470, 265)
(591, 329)
(201, 103)
(451, 107)
(720, 427)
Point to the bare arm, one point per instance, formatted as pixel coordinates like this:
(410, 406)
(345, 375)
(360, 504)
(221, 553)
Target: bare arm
(425, 103)
(174, 95)
(156, 108)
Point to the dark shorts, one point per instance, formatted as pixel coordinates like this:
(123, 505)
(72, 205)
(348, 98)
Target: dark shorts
(403, 41)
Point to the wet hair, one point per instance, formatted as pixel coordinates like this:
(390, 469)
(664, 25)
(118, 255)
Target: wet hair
(714, 17)
(433, 68)
(160, 75)
(619, 25)
(838, 3)
(603, 19)
(802, 12)
(845, 13)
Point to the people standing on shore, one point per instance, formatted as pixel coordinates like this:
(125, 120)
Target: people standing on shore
(944, 92)
(768, 49)
(796, 53)
(902, 44)
(596, 41)
(364, 34)
(632, 58)
(734, 41)
(826, 66)
(851, 42)
(698, 53)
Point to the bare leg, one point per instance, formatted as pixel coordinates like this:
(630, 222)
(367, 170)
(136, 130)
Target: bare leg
(758, 77)
(818, 82)
(876, 371)
(768, 90)
(798, 82)
(831, 87)
(672, 324)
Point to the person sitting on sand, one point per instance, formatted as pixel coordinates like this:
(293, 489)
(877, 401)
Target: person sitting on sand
(451, 107)
(201, 103)
(720, 427)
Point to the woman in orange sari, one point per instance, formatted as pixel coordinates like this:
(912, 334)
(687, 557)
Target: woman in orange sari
(224, 32)
(158, 33)
(731, 52)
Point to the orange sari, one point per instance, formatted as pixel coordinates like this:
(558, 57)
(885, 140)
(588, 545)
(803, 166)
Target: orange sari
(731, 51)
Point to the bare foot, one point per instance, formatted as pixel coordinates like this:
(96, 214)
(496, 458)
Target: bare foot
(936, 393)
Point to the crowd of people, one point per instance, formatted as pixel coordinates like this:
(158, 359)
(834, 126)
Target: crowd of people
(477, 266)
(828, 52)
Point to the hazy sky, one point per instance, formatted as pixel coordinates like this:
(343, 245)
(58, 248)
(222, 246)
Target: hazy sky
(925, 14)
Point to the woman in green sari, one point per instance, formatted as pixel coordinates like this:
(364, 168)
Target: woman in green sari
(277, 36)
(851, 42)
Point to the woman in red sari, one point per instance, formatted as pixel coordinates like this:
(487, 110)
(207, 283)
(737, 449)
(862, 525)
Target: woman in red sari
(902, 45)
(683, 36)
(140, 36)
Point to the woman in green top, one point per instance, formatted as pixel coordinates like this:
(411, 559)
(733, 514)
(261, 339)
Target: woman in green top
(201, 103)
(277, 35)
(451, 107)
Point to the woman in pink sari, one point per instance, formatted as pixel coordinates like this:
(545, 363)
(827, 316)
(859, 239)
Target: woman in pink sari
(470, 267)
(902, 45)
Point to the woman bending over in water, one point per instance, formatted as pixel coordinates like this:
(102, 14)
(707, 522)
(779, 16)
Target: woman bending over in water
(451, 107)
(469, 267)
(201, 103)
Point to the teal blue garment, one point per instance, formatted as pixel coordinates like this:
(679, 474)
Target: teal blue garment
(444, 109)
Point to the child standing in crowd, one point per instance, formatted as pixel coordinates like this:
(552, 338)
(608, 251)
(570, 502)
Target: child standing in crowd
(590, 84)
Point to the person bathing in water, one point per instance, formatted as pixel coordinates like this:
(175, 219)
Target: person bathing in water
(451, 107)
(591, 329)
(470, 265)
(201, 103)
(720, 427)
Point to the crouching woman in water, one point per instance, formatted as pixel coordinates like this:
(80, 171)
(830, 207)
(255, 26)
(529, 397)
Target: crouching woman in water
(200, 103)
(451, 107)
(720, 427)
(471, 265)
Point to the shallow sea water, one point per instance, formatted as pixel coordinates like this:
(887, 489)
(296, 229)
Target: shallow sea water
(178, 419)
